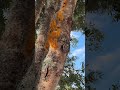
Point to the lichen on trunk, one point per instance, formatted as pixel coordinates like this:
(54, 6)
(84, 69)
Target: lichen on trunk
(54, 62)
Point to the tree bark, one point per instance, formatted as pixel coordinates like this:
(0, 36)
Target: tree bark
(17, 43)
(38, 8)
(53, 64)
(32, 76)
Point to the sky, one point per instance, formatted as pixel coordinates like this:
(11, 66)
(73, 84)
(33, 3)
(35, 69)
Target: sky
(108, 60)
(79, 50)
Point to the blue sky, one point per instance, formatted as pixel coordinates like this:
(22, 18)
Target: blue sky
(108, 60)
(79, 50)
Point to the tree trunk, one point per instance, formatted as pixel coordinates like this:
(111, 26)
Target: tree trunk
(32, 77)
(53, 64)
(38, 8)
(17, 43)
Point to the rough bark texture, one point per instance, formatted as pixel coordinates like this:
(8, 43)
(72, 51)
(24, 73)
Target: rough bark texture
(17, 43)
(32, 76)
(53, 64)
(38, 8)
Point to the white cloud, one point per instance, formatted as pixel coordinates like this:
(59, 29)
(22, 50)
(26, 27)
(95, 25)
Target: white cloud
(78, 52)
(75, 34)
